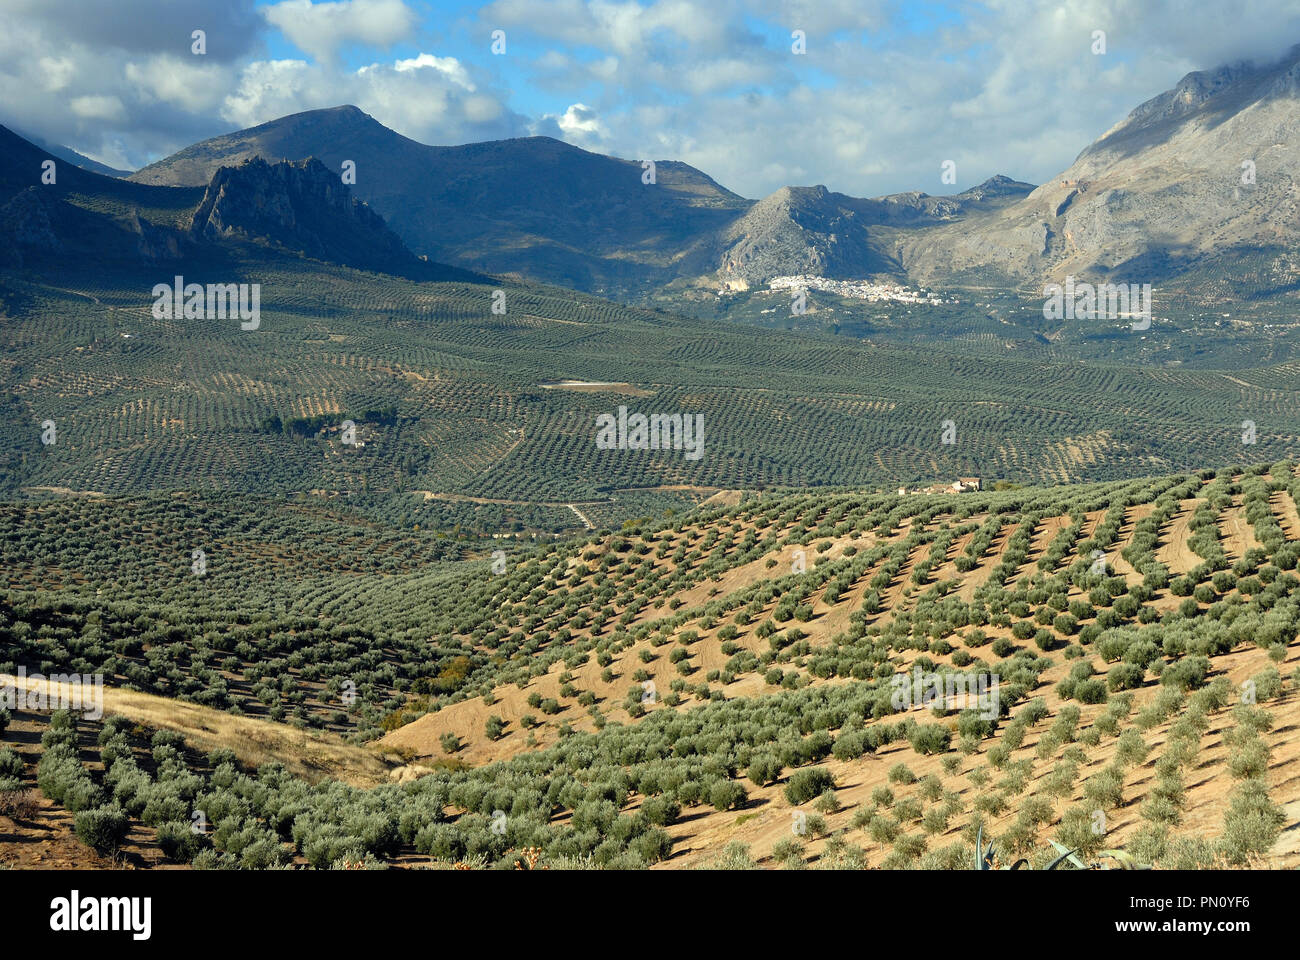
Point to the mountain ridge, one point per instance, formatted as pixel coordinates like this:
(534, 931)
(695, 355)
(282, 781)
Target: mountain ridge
(1194, 177)
(1198, 174)
(598, 225)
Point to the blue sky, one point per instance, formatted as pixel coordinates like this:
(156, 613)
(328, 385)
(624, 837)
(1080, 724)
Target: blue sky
(886, 92)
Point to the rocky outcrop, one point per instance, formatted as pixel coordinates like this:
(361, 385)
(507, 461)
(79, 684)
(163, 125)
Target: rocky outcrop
(814, 231)
(298, 205)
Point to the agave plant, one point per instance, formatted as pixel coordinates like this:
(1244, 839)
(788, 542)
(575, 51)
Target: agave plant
(984, 857)
(1125, 859)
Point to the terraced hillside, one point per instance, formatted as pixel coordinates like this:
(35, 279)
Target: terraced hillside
(721, 688)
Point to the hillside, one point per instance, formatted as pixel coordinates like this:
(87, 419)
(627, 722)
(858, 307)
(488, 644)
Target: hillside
(532, 206)
(541, 209)
(680, 694)
(301, 206)
(810, 230)
(434, 569)
(1196, 187)
(295, 209)
(68, 155)
(456, 404)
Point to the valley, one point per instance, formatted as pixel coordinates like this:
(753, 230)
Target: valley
(512, 505)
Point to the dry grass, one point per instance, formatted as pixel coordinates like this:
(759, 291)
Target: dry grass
(311, 755)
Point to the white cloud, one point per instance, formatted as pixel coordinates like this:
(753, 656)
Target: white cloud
(449, 67)
(321, 29)
(428, 98)
(579, 120)
(98, 108)
(874, 106)
(191, 83)
(58, 72)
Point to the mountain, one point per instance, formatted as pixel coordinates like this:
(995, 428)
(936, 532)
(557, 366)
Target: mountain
(532, 206)
(82, 213)
(797, 230)
(540, 208)
(1200, 178)
(299, 208)
(812, 230)
(299, 205)
(1192, 182)
(68, 155)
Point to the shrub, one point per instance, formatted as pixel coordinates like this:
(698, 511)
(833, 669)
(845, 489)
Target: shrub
(179, 842)
(1160, 810)
(883, 830)
(828, 802)
(1252, 824)
(661, 810)
(788, 851)
(1186, 674)
(727, 795)
(1249, 757)
(931, 788)
(1105, 789)
(1267, 684)
(973, 723)
(1078, 831)
(808, 783)
(101, 828)
(930, 738)
(1034, 711)
(908, 809)
(17, 803)
(1125, 676)
(1131, 748)
(763, 769)
(849, 745)
(1091, 690)
(11, 765)
(934, 821)
(901, 773)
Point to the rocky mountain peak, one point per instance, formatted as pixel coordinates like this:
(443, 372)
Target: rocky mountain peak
(301, 205)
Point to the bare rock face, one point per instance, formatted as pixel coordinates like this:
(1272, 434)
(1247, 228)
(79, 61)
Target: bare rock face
(1204, 174)
(299, 205)
(812, 230)
(797, 230)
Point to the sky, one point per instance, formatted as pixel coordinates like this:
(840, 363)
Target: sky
(883, 94)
